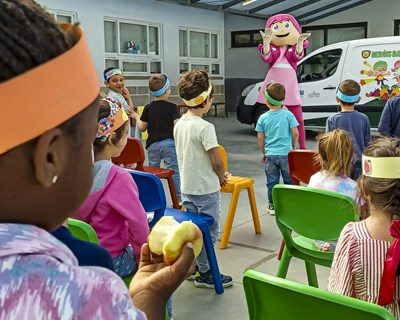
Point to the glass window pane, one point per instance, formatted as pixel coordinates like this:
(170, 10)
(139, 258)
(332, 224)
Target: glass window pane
(205, 67)
(134, 66)
(214, 46)
(110, 36)
(183, 43)
(64, 19)
(199, 44)
(242, 39)
(134, 36)
(215, 68)
(183, 67)
(153, 41)
(257, 38)
(345, 34)
(320, 66)
(155, 67)
(112, 63)
(316, 40)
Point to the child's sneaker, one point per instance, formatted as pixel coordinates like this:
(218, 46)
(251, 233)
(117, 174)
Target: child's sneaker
(194, 275)
(205, 280)
(271, 209)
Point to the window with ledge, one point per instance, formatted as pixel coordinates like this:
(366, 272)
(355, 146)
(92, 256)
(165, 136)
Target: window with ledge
(132, 46)
(396, 28)
(244, 39)
(199, 50)
(62, 16)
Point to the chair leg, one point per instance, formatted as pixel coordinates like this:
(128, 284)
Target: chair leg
(284, 264)
(229, 218)
(281, 250)
(172, 190)
(212, 260)
(311, 274)
(254, 211)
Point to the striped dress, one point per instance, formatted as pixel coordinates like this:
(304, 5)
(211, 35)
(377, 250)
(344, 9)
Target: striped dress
(358, 266)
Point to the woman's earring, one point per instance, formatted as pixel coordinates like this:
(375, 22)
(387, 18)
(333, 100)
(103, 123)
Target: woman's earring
(54, 180)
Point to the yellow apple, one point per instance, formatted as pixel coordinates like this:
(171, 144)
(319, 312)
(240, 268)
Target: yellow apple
(168, 237)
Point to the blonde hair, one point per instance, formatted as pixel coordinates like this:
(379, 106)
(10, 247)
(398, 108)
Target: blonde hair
(384, 193)
(335, 152)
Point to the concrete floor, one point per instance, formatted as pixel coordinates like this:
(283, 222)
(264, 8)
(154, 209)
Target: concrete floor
(246, 249)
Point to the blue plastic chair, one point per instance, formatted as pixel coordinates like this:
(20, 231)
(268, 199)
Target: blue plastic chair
(152, 197)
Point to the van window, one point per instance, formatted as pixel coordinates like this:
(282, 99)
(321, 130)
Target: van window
(319, 66)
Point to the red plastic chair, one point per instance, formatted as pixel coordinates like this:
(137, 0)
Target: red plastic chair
(133, 153)
(302, 166)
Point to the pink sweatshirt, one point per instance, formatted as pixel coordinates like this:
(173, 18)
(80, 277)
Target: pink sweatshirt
(114, 210)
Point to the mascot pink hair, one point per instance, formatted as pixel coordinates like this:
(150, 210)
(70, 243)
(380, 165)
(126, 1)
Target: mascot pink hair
(283, 45)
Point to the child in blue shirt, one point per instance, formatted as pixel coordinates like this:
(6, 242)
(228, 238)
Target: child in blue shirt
(277, 134)
(355, 123)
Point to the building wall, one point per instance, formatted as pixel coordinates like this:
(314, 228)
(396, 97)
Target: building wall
(243, 66)
(91, 13)
(379, 14)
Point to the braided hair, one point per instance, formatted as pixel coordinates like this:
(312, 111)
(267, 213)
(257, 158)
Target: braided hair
(29, 37)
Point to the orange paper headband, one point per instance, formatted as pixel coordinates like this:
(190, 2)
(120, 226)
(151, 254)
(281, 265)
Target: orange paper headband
(46, 96)
(114, 121)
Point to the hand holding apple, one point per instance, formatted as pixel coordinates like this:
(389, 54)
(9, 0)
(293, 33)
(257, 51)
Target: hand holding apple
(168, 237)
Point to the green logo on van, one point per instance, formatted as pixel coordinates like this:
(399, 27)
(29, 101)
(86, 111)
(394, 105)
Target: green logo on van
(366, 53)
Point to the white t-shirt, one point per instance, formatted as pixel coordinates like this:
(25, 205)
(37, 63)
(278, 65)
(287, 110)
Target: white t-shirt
(193, 138)
(119, 98)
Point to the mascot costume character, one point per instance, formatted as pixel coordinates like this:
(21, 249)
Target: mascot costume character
(283, 45)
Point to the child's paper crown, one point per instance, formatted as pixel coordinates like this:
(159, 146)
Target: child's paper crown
(115, 120)
(33, 109)
(200, 98)
(384, 167)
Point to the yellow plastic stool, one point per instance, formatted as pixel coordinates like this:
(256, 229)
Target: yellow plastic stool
(235, 185)
(140, 111)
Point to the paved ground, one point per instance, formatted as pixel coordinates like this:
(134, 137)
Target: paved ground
(246, 249)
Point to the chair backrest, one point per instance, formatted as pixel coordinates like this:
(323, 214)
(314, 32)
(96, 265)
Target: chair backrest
(223, 155)
(270, 297)
(82, 230)
(302, 165)
(131, 154)
(312, 213)
(151, 194)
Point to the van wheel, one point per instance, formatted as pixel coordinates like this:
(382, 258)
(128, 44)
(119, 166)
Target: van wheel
(260, 109)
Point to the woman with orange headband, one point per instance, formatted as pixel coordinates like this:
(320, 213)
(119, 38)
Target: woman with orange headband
(46, 173)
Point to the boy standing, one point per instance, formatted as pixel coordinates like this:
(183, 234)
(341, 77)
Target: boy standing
(200, 164)
(277, 134)
(389, 124)
(159, 118)
(352, 121)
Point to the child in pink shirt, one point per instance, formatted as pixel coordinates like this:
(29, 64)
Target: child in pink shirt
(113, 207)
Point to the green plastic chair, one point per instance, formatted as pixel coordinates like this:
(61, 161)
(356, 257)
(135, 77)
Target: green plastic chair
(82, 230)
(269, 297)
(311, 214)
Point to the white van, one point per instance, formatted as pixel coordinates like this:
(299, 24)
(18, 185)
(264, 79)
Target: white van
(373, 63)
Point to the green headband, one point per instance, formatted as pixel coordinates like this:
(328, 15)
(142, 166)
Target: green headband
(272, 100)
